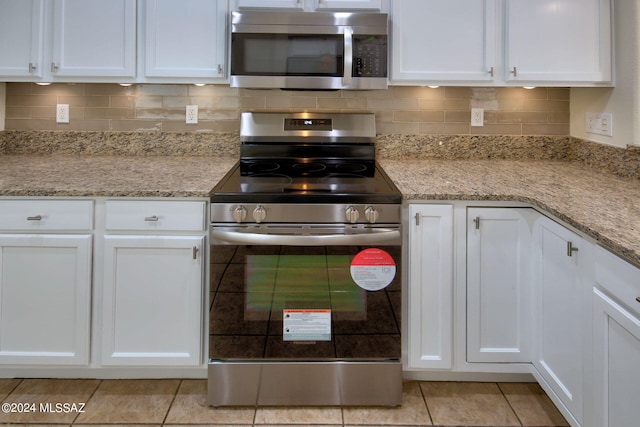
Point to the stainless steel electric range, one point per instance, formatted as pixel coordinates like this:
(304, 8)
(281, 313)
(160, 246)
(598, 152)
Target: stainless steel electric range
(305, 267)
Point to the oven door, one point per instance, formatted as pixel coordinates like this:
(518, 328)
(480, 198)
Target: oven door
(278, 298)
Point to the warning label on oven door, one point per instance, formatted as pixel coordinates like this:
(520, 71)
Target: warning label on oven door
(306, 325)
(373, 269)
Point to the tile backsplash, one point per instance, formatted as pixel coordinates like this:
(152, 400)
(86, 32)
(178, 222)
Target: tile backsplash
(399, 110)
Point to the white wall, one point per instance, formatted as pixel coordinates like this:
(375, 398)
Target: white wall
(2, 104)
(623, 101)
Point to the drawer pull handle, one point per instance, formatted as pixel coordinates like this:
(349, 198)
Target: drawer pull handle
(34, 218)
(638, 299)
(152, 218)
(476, 220)
(195, 252)
(571, 249)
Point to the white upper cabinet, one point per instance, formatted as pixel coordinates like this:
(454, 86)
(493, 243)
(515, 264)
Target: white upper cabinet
(311, 5)
(94, 38)
(68, 40)
(501, 42)
(558, 41)
(184, 40)
(443, 41)
(21, 39)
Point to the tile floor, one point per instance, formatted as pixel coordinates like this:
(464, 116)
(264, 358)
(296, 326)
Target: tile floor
(182, 402)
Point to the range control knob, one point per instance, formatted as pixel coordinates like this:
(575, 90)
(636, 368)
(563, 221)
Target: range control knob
(371, 214)
(352, 214)
(239, 213)
(259, 214)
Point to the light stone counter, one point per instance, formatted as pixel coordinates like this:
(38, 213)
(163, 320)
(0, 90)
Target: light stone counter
(111, 176)
(601, 205)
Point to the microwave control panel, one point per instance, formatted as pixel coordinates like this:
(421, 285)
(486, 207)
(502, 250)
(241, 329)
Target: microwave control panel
(369, 56)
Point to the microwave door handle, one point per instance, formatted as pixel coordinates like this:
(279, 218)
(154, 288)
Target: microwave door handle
(348, 56)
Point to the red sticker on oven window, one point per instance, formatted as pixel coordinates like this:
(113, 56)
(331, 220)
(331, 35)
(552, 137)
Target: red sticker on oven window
(373, 269)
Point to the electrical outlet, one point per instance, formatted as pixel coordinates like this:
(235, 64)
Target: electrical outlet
(192, 114)
(477, 117)
(62, 113)
(599, 123)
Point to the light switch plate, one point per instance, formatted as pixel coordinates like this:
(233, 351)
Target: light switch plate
(599, 123)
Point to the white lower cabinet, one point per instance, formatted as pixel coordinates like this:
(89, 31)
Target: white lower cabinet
(45, 294)
(499, 303)
(152, 289)
(616, 343)
(430, 290)
(561, 316)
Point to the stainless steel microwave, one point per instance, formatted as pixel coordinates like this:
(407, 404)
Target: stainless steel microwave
(309, 50)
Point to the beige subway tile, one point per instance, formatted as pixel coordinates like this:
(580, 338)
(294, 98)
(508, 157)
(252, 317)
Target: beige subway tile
(175, 102)
(59, 89)
(459, 92)
(135, 125)
(20, 88)
(218, 115)
(559, 117)
(496, 129)
(406, 104)
(86, 125)
(224, 102)
(419, 92)
(457, 116)
(212, 90)
(122, 101)
(562, 93)
(342, 103)
(226, 125)
(181, 126)
(522, 117)
(279, 101)
(444, 128)
(380, 104)
(510, 104)
(108, 113)
(18, 112)
(545, 129)
(163, 90)
(521, 93)
(418, 116)
(443, 104)
(31, 100)
(252, 102)
(144, 101)
(369, 94)
(45, 112)
(108, 89)
(544, 105)
(29, 124)
(397, 128)
(157, 114)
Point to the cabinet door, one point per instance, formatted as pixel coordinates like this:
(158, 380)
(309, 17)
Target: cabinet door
(21, 38)
(152, 299)
(94, 38)
(45, 297)
(430, 290)
(558, 40)
(616, 355)
(559, 348)
(499, 303)
(446, 41)
(185, 39)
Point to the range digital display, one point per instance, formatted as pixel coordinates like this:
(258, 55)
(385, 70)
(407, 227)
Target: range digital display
(308, 124)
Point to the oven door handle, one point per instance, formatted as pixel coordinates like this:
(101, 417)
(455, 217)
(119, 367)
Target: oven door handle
(375, 238)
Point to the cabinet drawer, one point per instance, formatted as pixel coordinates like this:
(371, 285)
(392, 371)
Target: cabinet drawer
(44, 215)
(155, 215)
(618, 278)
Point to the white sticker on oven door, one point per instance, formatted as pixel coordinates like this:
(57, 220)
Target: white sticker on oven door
(373, 269)
(306, 325)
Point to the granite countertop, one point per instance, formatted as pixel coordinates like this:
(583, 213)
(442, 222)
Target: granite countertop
(111, 176)
(600, 204)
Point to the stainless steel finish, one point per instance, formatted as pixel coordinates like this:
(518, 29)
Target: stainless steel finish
(348, 56)
(571, 249)
(34, 218)
(476, 220)
(295, 22)
(259, 214)
(239, 213)
(195, 252)
(305, 213)
(269, 127)
(304, 236)
(32, 67)
(152, 218)
(291, 383)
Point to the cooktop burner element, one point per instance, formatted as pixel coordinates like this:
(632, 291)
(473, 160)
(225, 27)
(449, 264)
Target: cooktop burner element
(324, 158)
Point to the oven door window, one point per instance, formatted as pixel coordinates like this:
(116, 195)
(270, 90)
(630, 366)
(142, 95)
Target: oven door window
(287, 55)
(283, 303)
